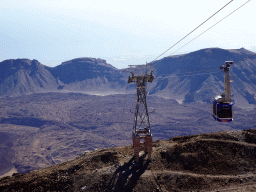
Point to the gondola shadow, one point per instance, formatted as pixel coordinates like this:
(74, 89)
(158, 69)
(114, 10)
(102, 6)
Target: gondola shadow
(126, 176)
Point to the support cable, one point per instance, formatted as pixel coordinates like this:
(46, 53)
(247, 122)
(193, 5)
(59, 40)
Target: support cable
(216, 71)
(197, 71)
(204, 71)
(211, 27)
(245, 58)
(192, 31)
(242, 69)
(124, 105)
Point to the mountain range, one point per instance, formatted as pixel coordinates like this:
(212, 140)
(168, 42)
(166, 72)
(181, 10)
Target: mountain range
(192, 77)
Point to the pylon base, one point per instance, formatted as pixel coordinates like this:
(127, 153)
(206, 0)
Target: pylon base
(145, 145)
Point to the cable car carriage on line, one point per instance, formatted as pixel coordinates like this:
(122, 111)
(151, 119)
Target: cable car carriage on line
(222, 106)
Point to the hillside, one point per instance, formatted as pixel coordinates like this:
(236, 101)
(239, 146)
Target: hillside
(222, 161)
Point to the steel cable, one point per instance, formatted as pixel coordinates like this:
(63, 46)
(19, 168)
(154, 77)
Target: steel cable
(192, 31)
(210, 27)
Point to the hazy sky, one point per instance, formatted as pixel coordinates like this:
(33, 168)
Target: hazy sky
(122, 32)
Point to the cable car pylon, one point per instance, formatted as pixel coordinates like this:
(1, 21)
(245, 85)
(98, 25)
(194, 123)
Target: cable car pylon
(222, 104)
(141, 134)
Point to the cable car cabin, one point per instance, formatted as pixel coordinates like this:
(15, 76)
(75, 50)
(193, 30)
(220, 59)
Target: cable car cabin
(222, 105)
(222, 111)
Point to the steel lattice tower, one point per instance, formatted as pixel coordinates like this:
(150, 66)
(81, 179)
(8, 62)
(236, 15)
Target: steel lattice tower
(141, 134)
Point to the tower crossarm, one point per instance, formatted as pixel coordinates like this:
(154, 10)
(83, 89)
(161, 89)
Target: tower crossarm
(138, 79)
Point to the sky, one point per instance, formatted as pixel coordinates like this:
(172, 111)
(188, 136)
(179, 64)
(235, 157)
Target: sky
(120, 31)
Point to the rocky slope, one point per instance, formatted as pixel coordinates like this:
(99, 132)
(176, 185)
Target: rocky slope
(222, 161)
(24, 76)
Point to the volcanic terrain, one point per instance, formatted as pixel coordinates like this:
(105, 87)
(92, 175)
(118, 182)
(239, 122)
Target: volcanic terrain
(221, 161)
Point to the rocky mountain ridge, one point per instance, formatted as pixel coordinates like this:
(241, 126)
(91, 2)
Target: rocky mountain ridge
(192, 77)
(24, 76)
(85, 75)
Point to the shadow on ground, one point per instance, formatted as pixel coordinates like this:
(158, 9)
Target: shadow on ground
(126, 176)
